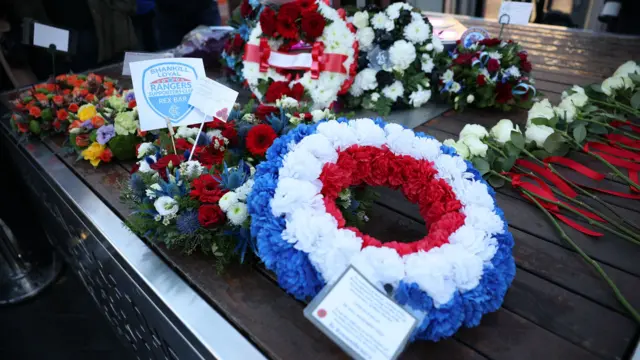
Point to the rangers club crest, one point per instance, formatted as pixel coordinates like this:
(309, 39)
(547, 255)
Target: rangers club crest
(167, 87)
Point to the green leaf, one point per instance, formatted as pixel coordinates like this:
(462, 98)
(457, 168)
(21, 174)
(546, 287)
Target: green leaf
(635, 77)
(511, 149)
(481, 165)
(553, 142)
(46, 114)
(34, 127)
(508, 163)
(517, 139)
(635, 100)
(597, 129)
(540, 154)
(540, 121)
(589, 108)
(496, 181)
(579, 133)
(562, 150)
(497, 164)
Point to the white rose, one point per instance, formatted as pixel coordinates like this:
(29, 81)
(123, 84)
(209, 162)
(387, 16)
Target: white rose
(166, 206)
(476, 146)
(402, 54)
(365, 38)
(616, 83)
(237, 213)
(470, 98)
(538, 134)
(577, 89)
(474, 130)
(501, 132)
(361, 19)
(227, 200)
(627, 68)
(461, 148)
(541, 109)
(579, 99)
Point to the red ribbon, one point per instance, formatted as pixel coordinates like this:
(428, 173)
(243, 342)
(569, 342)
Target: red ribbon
(316, 57)
(258, 54)
(547, 174)
(621, 139)
(613, 150)
(612, 159)
(622, 123)
(323, 61)
(575, 166)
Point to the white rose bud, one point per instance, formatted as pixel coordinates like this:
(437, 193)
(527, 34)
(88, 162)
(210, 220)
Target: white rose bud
(470, 98)
(538, 134)
(317, 115)
(361, 19)
(461, 148)
(474, 130)
(501, 132)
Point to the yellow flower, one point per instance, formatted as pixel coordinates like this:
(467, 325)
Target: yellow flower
(93, 153)
(86, 112)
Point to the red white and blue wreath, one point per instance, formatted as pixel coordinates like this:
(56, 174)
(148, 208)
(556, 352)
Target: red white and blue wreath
(303, 49)
(458, 272)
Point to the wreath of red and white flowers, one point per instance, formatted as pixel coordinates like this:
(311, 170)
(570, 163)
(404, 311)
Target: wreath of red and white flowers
(277, 62)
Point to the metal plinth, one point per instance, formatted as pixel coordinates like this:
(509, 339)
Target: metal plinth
(20, 277)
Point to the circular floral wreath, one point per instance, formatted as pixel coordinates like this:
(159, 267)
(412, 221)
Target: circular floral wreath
(458, 272)
(276, 64)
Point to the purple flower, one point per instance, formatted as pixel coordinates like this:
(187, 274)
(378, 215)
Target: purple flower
(87, 125)
(105, 133)
(130, 96)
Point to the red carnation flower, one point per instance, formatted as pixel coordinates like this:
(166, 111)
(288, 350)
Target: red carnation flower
(206, 189)
(82, 140)
(35, 111)
(297, 91)
(464, 59)
(286, 24)
(276, 91)
(209, 155)
(263, 110)
(62, 114)
(268, 21)
(210, 215)
(90, 97)
(503, 92)
(161, 165)
(490, 42)
(481, 80)
(308, 5)
(260, 138)
(493, 65)
(245, 9)
(312, 25)
(106, 155)
(58, 100)
(183, 144)
(73, 107)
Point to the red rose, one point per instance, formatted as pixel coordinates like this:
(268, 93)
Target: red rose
(308, 5)
(493, 65)
(73, 107)
(58, 100)
(132, 104)
(503, 92)
(464, 59)
(263, 110)
(84, 92)
(481, 80)
(106, 155)
(90, 97)
(490, 42)
(260, 138)
(62, 114)
(82, 140)
(268, 21)
(56, 124)
(287, 16)
(526, 66)
(312, 25)
(276, 91)
(161, 165)
(523, 56)
(206, 189)
(210, 215)
(245, 9)
(238, 43)
(35, 111)
(297, 91)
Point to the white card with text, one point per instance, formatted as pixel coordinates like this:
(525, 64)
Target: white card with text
(45, 35)
(519, 12)
(131, 57)
(359, 318)
(163, 88)
(212, 98)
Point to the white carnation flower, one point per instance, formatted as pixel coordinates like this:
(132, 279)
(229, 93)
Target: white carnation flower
(461, 148)
(187, 132)
(417, 32)
(361, 19)
(366, 79)
(166, 206)
(474, 130)
(365, 38)
(420, 97)
(380, 21)
(227, 200)
(237, 213)
(538, 134)
(402, 53)
(501, 132)
(427, 63)
(476, 146)
(393, 91)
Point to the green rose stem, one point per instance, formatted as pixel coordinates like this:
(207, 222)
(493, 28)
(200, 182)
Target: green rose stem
(578, 188)
(615, 223)
(568, 208)
(634, 314)
(606, 142)
(608, 164)
(618, 105)
(612, 128)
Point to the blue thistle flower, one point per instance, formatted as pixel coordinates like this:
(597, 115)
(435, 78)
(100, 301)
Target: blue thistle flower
(232, 179)
(278, 122)
(136, 184)
(187, 222)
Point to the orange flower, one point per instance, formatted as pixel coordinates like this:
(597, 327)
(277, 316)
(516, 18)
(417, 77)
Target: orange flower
(62, 114)
(73, 107)
(90, 97)
(108, 85)
(75, 124)
(42, 97)
(97, 121)
(58, 100)
(82, 140)
(109, 92)
(61, 77)
(34, 111)
(78, 82)
(106, 155)
(66, 91)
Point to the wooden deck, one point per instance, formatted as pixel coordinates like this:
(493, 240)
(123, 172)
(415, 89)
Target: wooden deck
(556, 308)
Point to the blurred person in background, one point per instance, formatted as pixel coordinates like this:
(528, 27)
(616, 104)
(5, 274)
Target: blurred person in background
(175, 18)
(143, 22)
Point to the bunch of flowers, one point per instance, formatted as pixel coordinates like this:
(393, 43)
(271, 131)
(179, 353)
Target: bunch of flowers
(304, 50)
(457, 273)
(397, 49)
(44, 109)
(110, 129)
(488, 73)
(243, 19)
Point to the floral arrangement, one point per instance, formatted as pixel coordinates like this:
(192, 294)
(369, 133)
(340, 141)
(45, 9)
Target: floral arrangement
(243, 19)
(590, 120)
(44, 109)
(302, 49)
(110, 129)
(397, 56)
(450, 278)
(488, 73)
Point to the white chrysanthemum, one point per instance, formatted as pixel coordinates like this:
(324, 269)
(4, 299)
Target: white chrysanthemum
(513, 72)
(187, 132)
(227, 200)
(244, 190)
(393, 91)
(393, 10)
(427, 63)
(447, 76)
(461, 148)
(417, 32)
(146, 148)
(237, 213)
(538, 134)
(495, 55)
(365, 38)
(402, 54)
(420, 97)
(501, 132)
(380, 21)
(540, 109)
(475, 145)
(366, 79)
(474, 130)
(166, 206)
(361, 19)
